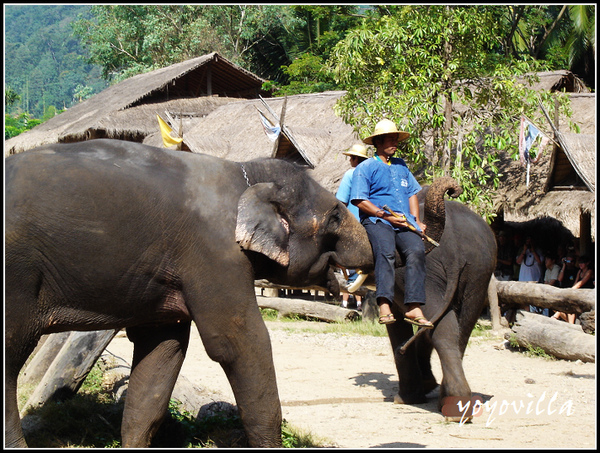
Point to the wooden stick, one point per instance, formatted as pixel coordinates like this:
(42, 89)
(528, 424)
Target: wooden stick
(410, 227)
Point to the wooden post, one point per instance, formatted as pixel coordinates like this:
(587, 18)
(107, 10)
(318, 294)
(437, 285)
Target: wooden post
(43, 357)
(281, 119)
(70, 367)
(493, 302)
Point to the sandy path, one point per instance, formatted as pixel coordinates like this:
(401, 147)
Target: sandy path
(340, 389)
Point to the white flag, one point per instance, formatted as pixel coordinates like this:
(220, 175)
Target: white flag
(271, 131)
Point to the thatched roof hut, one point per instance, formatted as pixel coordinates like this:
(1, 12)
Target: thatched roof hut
(128, 109)
(562, 183)
(234, 131)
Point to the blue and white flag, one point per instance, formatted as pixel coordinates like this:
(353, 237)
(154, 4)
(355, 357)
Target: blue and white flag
(527, 138)
(271, 131)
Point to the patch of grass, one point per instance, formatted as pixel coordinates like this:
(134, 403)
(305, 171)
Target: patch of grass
(481, 329)
(295, 438)
(359, 327)
(92, 419)
(531, 351)
(535, 351)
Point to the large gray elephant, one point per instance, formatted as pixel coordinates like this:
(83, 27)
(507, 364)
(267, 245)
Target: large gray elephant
(108, 234)
(458, 274)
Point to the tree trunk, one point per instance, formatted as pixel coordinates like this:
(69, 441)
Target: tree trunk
(318, 310)
(70, 366)
(567, 300)
(558, 338)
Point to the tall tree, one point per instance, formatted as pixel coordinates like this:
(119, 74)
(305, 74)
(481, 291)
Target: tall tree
(439, 72)
(129, 39)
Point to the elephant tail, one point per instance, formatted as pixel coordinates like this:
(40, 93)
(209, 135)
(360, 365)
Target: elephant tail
(434, 215)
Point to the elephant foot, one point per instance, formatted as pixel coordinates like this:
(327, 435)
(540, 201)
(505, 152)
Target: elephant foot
(458, 409)
(429, 385)
(420, 399)
(456, 419)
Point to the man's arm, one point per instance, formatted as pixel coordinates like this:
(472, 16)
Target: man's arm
(374, 211)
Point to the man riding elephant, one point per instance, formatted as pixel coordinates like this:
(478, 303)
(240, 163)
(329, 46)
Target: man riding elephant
(386, 181)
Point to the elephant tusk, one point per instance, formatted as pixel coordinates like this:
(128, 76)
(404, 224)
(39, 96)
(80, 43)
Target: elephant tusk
(358, 282)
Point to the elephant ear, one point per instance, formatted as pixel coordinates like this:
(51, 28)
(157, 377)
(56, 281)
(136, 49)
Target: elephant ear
(260, 226)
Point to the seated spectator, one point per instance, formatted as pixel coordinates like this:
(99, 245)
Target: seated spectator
(585, 275)
(552, 270)
(569, 274)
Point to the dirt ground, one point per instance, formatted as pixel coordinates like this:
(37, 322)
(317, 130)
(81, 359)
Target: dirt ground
(340, 388)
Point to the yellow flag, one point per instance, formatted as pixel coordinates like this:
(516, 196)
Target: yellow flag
(165, 131)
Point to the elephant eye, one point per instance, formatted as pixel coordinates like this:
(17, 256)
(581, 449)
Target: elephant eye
(334, 221)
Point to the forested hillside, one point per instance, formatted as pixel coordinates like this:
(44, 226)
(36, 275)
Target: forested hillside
(45, 65)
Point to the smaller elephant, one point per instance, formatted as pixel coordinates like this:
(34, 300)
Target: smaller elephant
(108, 234)
(458, 275)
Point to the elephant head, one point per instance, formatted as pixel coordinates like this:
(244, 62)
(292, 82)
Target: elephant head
(299, 226)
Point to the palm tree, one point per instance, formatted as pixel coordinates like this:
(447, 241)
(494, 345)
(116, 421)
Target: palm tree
(581, 43)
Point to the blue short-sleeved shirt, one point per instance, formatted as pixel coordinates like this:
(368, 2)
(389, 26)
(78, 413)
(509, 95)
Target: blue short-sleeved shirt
(343, 193)
(384, 184)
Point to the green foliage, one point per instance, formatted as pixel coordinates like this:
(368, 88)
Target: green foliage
(14, 125)
(306, 74)
(43, 60)
(436, 72)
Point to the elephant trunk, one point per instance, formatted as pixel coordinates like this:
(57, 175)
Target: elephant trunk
(353, 248)
(434, 215)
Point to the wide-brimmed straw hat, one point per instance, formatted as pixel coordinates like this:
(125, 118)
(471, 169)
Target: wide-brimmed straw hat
(357, 150)
(385, 127)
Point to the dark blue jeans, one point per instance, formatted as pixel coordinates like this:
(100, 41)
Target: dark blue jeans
(384, 241)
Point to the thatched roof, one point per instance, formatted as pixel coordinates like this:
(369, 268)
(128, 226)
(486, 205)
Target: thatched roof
(562, 182)
(235, 132)
(188, 82)
(561, 80)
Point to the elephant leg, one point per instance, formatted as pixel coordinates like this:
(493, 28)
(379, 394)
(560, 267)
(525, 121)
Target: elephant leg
(446, 342)
(234, 335)
(13, 433)
(424, 349)
(22, 333)
(157, 358)
(411, 389)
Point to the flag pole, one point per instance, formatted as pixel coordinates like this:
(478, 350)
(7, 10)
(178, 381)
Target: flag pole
(541, 131)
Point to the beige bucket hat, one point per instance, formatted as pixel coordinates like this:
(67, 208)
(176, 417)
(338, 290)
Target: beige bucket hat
(357, 150)
(385, 127)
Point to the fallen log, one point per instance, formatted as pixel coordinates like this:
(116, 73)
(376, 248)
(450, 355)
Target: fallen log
(567, 300)
(558, 338)
(70, 367)
(588, 322)
(317, 310)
